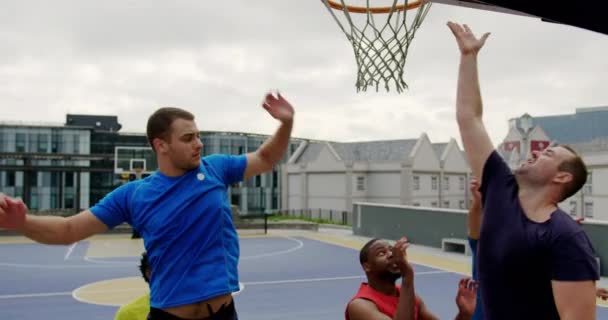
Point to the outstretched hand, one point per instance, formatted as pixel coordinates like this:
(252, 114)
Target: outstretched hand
(602, 293)
(400, 258)
(278, 107)
(12, 212)
(467, 42)
(466, 297)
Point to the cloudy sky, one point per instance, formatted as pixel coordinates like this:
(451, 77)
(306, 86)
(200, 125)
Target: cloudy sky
(218, 58)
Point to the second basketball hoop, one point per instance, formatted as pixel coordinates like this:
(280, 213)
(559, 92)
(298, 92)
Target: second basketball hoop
(380, 37)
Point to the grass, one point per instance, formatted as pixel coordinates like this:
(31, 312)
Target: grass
(277, 218)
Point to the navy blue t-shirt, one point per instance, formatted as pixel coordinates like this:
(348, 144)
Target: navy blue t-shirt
(518, 258)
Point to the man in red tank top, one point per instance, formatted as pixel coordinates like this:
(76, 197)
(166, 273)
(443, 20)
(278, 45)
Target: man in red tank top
(381, 298)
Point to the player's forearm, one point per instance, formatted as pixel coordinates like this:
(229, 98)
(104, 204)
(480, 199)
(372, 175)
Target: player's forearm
(468, 98)
(47, 229)
(474, 220)
(273, 149)
(406, 306)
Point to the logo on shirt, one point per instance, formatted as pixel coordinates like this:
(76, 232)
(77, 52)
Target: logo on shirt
(200, 177)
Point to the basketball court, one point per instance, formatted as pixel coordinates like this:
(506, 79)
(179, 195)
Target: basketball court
(285, 275)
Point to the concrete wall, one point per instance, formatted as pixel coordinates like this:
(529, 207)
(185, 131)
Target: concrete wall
(427, 226)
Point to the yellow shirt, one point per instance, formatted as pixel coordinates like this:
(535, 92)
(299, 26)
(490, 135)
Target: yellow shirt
(135, 310)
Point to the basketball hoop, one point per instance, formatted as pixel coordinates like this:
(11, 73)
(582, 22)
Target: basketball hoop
(380, 51)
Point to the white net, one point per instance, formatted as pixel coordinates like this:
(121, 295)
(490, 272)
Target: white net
(380, 49)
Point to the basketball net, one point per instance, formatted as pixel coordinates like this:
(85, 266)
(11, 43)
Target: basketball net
(380, 50)
(138, 172)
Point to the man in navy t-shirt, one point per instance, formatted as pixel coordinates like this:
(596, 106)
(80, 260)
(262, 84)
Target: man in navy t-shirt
(534, 261)
(181, 211)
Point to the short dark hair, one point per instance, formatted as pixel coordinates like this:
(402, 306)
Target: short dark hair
(364, 253)
(159, 123)
(576, 167)
(144, 266)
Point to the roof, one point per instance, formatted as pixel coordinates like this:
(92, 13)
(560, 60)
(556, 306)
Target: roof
(389, 150)
(439, 148)
(585, 125)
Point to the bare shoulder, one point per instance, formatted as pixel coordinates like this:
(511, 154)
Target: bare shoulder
(362, 309)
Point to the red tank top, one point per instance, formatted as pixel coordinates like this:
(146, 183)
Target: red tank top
(385, 304)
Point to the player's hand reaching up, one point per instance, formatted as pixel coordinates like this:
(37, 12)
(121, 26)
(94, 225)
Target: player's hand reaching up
(12, 212)
(467, 42)
(278, 107)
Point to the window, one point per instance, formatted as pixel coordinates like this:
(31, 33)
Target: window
(69, 201)
(416, 182)
(446, 183)
(434, 204)
(43, 142)
(69, 180)
(573, 208)
(461, 204)
(33, 179)
(360, 183)
(258, 181)
(275, 179)
(33, 201)
(461, 183)
(434, 183)
(10, 179)
(446, 204)
(20, 142)
(76, 144)
(588, 209)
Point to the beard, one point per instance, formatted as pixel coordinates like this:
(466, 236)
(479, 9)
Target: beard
(392, 276)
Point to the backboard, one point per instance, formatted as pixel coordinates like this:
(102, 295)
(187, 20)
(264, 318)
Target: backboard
(134, 160)
(588, 15)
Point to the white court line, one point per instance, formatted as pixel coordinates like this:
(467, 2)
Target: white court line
(276, 253)
(241, 286)
(57, 266)
(34, 295)
(70, 249)
(326, 279)
(116, 263)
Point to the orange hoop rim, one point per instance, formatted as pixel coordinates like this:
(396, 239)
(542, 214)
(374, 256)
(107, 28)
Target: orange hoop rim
(354, 9)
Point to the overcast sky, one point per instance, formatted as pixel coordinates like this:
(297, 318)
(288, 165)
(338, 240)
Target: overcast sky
(218, 58)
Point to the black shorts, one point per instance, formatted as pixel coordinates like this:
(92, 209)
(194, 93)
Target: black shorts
(226, 312)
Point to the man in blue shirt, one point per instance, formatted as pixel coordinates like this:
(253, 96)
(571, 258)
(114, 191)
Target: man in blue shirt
(534, 260)
(182, 212)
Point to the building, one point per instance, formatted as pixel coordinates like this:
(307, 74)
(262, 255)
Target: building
(68, 167)
(586, 131)
(323, 176)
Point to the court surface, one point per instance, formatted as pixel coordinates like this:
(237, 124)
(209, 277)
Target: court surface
(302, 276)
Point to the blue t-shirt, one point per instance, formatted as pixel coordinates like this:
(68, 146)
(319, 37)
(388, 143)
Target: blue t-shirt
(478, 314)
(518, 258)
(187, 227)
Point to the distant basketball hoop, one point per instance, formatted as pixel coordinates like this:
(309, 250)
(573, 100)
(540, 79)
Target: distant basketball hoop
(380, 50)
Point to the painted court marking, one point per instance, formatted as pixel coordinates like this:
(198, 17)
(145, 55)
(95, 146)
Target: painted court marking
(299, 246)
(70, 249)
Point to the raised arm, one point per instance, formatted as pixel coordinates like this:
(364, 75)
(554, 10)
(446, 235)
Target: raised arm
(273, 149)
(474, 217)
(47, 229)
(469, 110)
